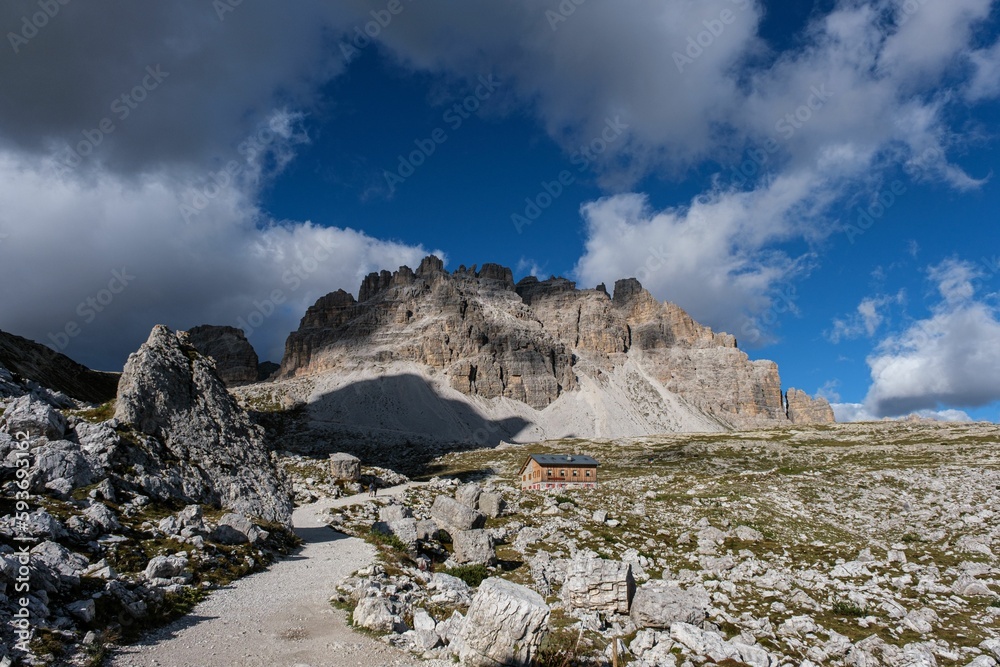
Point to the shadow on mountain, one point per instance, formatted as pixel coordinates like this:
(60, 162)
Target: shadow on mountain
(399, 422)
(36, 362)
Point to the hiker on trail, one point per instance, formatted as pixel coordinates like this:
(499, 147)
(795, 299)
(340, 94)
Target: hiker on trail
(371, 489)
(374, 490)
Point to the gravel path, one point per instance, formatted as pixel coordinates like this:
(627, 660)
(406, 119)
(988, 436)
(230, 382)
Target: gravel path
(280, 617)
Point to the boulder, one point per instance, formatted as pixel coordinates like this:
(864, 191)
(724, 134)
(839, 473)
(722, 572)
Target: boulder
(36, 418)
(64, 566)
(453, 516)
(189, 438)
(491, 504)
(345, 467)
(473, 546)
(237, 529)
(165, 567)
(62, 460)
(747, 534)
(468, 495)
(101, 516)
(505, 625)
(376, 614)
(83, 610)
(404, 529)
(659, 604)
(598, 584)
(394, 512)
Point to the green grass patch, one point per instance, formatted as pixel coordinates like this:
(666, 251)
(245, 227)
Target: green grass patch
(848, 608)
(473, 575)
(101, 413)
(387, 540)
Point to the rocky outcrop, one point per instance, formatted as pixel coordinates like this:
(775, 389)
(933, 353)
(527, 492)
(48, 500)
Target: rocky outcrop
(345, 467)
(34, 418)
(599, 584)
(473, 546)
(235, 359)
(453, 516)
(659, 604)
(193, 442)
(38, 365)
(505, 625)
(537, 342)
(802, 408)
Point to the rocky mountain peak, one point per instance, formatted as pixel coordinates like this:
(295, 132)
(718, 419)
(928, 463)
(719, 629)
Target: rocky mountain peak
(537, 341)
(201, 444)
(625, 290)
(236, 361)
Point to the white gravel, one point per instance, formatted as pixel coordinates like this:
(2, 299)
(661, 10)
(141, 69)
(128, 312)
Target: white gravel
(276, 618)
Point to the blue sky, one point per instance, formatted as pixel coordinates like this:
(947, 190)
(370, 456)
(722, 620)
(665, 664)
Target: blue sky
(817, 179)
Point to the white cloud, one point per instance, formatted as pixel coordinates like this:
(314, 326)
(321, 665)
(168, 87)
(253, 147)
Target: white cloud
(858, 412)
(711, 257)
(952, 358)
(852, 412)
(865, 320)
(229, 263)
(985, 81)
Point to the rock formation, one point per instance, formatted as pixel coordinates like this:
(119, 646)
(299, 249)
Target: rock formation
(46, 368)
(801, 408)
(235, 359)
(195, 442)
(646, 365)
(505, 625)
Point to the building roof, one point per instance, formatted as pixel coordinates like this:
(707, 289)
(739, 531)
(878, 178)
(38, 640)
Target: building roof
(564, 459)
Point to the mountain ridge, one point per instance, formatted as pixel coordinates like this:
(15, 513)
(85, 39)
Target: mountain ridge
(543, 344)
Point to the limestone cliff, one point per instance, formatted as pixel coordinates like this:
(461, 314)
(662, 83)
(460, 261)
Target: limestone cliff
(537, 341)
(801, 408)
(235, 359)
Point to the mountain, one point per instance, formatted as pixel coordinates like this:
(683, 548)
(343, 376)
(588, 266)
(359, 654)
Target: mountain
(47, 368)
(442, 355)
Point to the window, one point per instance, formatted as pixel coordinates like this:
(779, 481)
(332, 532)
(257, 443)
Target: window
(588, 473)
(549, 472)
(576, 473)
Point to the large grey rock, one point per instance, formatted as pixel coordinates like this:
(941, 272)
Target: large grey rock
(404, 529)
(235, 360)
(713, 646)
(238, 529)
(101, 516)
(453, 516)
(505, 625)
(165, 567)
(491, 504)
(376, 614)
(191, 439)
(599, 584)
(83, 610)
(473, 546)
(63, 565)
(36, 418)
(62, 460)
(345, 467)
(394, 512)
(659, 604)
(468, 495)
